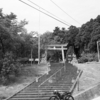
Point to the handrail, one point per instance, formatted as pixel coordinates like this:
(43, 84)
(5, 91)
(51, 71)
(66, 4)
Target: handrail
(51, 76)
(88, 89)
(22, 88)
(33, 82)
(76, 82)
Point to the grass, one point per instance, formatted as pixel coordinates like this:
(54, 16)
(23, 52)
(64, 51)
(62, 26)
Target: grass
(28, 75)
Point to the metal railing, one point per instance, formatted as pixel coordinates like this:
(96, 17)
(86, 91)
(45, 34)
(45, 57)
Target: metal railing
(23, 88)
(40, 79)
(55, 76)
(89, 93)
(76, 83)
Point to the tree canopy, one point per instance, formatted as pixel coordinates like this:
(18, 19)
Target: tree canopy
(81, 38)
(17, 43)
(15, 38)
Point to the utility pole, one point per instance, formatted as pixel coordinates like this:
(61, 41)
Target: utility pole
(39, 40)
(31, 57)
(38, 48)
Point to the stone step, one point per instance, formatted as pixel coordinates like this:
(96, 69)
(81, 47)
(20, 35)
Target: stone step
(33, 96)
(54, 85)
(45, 88)
(49, 87)
(44, 91)
(32, 92)
(43, 98)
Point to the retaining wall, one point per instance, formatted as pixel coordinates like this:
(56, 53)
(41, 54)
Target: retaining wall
(89, 94)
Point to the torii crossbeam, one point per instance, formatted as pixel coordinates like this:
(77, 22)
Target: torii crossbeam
(60, 47)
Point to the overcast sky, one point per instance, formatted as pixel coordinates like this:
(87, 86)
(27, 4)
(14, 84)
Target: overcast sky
(80, 10)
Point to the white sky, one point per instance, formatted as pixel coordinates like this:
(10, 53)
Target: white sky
(80, 10)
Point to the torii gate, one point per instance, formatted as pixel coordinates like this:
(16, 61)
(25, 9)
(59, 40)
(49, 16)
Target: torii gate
(60, 47)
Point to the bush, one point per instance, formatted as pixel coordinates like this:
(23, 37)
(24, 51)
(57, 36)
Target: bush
(95, 57)
(9, 69)
(23, 60)
(88, 57)
(82, 60)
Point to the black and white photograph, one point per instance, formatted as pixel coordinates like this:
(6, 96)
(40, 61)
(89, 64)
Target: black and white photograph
(49, 49)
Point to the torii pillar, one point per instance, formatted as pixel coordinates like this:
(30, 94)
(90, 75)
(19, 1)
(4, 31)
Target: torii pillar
(63, 57)
(60, 47)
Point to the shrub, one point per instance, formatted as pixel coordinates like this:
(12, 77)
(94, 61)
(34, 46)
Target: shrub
(9, 69)
(82, 60)
(88, 57)
(23, 60)
(95, 57)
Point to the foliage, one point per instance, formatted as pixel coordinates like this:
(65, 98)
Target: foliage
(89, 35)
(72, 33)
(15, 38)
(82, 38)
(87, 57)
(82, 60)
(95, 57)
(23, 60)
(10, 69)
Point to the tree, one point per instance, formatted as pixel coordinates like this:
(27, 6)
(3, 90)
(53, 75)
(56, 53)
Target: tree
(89, 35)
(5, 34)
(59, 35)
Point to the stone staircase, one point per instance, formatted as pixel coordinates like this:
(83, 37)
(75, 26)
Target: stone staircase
(38, 91)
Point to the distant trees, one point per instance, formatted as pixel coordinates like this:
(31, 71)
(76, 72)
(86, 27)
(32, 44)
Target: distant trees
(89, 34)
(15, 43)
(14, 37)
(61, 36)
(82, 38)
